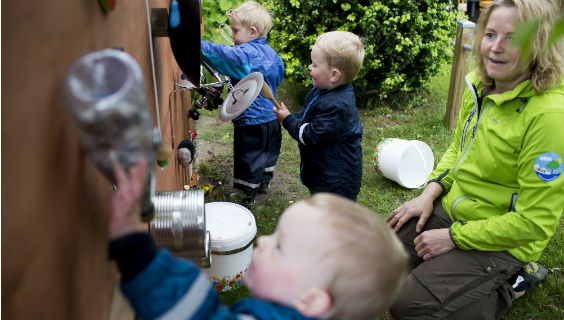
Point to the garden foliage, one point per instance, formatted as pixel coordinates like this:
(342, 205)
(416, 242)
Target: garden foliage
(213, 12)
(406, 41)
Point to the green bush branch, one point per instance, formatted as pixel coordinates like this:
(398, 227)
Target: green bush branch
(406, 41)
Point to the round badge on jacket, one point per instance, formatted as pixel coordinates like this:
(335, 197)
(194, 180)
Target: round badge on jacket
(548, 166)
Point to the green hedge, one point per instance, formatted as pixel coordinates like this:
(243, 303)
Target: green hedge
(406, 42)
(213, 12)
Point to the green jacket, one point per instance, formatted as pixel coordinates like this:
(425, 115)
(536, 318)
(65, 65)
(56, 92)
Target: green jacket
(501, 176)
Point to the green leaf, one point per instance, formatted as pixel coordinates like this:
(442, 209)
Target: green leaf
(557, 32)
(225, 5)
(524, 35)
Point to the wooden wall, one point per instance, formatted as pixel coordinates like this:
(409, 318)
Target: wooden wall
(54, 210)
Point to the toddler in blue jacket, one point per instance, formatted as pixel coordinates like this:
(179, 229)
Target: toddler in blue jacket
(328, 128)
(257, 134)
(329, 258)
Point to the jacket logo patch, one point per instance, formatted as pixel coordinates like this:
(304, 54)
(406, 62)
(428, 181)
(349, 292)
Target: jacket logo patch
(548, 166)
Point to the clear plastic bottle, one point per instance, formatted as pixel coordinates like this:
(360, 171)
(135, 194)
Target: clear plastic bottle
(105, 93)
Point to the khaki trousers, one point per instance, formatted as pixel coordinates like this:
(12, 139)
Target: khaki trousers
(460, 284)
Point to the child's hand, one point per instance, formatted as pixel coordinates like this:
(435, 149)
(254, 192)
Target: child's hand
(282, 113)
(125, 203)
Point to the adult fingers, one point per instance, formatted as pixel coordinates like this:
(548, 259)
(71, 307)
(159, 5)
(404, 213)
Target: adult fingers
(394, 213)
(400, 221)
(393, 219)
(418, 242)
(422, 221)
(421, 248)
(433, 243)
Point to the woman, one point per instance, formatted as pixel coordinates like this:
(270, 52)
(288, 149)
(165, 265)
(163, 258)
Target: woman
(496, 196)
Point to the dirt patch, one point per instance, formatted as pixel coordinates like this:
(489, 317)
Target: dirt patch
(214, 163)
(208, 148)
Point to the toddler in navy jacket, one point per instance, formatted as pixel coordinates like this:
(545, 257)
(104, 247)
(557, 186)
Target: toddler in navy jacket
(328, 128)
(329, 258)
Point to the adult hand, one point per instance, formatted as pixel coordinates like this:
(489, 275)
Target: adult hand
(418, 207)
(421, 207)
(433, 243)
(125, 203)
(282, 113)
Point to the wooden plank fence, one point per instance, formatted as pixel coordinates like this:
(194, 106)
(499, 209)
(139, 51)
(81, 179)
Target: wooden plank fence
(462, 52)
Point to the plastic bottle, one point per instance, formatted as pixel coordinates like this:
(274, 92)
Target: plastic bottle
(105, 93)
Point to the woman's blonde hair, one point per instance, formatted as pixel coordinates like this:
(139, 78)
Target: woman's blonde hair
(343, 50)
(252, 14)
(545, 64)
(366, 262)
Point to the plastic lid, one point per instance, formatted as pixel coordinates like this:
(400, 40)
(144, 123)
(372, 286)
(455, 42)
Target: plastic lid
(231, 226)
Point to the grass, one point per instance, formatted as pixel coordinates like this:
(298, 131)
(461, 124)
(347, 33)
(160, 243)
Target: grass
(424, 123)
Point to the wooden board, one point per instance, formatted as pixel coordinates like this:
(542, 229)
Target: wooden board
(54, 211)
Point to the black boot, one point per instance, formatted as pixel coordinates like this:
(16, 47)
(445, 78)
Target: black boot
(241, 197)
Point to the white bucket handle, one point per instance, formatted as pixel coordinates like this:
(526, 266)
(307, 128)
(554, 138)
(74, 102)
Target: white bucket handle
(424, 163)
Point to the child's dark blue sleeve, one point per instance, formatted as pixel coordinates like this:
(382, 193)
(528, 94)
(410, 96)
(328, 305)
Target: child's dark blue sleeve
(292, 123)
(166, 286)
(325, 125)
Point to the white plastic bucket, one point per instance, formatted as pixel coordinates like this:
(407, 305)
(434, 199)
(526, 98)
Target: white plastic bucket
(232, 229)
(407, 162)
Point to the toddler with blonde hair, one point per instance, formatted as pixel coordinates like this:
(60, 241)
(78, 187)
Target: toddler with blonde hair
(328, 128)
(329, 258)
(257, 136)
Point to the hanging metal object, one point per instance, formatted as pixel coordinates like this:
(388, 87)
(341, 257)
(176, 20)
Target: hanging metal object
(180, 225)
(241, 96)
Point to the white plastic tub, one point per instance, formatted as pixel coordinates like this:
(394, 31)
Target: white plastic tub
(232, 230)
(407, 162)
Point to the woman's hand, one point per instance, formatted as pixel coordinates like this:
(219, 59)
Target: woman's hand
(125, 203)
(282, 113)
(421, 207)
(418, 207)
(433, 243)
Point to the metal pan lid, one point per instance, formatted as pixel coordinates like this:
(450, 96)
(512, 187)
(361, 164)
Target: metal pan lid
(241, 96)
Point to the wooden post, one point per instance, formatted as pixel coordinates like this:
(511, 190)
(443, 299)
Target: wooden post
(465, 30)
